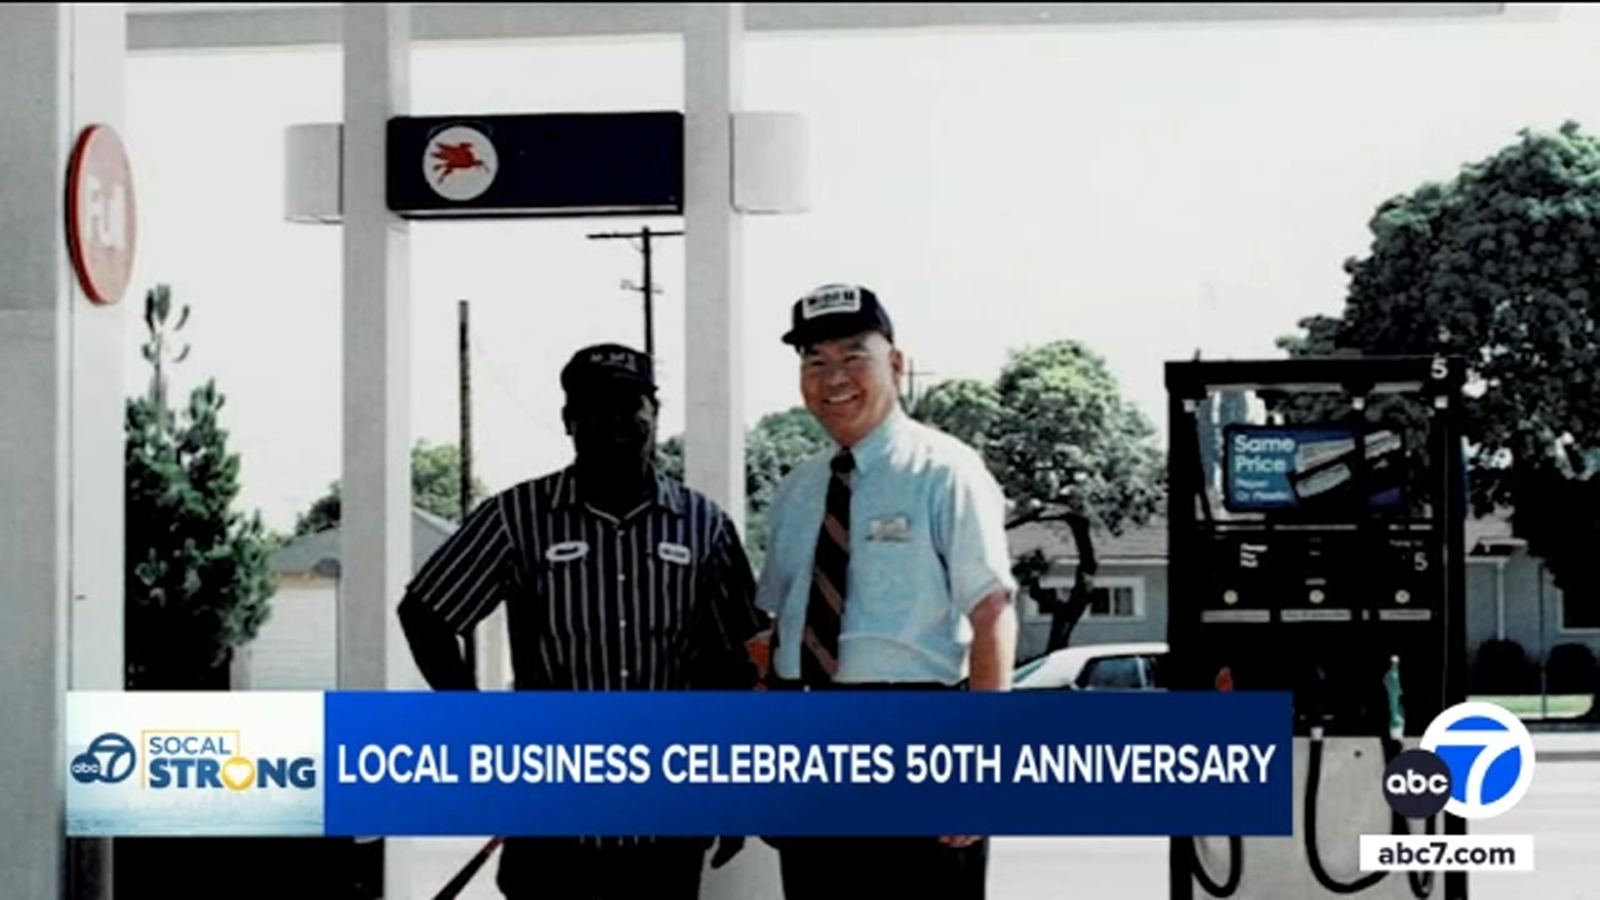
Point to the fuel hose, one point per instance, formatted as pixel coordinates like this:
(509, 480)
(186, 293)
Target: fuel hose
(1421, 883)
(1230, 884)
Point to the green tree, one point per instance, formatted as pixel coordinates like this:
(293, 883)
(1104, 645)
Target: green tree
(1058, 437)
(778, 442)
(669, 457)
(1497, 266)
(967, 409)
(435, 488)
(198, 581)
(1065, 447)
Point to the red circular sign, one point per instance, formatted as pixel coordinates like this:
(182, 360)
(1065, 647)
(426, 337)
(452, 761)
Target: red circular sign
(101, 219)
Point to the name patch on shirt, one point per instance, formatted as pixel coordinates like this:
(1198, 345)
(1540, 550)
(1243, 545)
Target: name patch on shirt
(896, 528)
(567, 551)
(674, 553)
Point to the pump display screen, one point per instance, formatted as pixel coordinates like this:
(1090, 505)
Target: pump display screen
(1311, 469)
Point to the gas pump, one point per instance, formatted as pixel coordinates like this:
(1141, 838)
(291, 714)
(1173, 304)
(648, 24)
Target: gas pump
(1322, 557)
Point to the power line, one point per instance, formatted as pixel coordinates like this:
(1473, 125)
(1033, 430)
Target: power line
(911, 379)
(646, 288)
(509, 392)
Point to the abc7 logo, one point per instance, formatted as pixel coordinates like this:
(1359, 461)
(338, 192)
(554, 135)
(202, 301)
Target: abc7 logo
(1476, 762)
(109, 759)
(1417, 784)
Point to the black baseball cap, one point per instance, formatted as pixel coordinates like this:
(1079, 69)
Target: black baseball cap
(608, 367)
(834, 311)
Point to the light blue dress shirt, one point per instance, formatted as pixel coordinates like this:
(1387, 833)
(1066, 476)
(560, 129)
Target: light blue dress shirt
(927, 543)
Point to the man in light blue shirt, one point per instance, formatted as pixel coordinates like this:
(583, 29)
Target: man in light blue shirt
(887, 567)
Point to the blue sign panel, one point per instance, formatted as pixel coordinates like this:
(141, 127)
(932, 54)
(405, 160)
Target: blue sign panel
(1281, 468)
(796, 763)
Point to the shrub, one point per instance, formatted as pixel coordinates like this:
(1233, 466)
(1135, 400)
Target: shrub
(1570, 669)
(1503, 668)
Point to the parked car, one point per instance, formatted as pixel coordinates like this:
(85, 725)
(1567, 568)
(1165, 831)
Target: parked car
(1096, 667)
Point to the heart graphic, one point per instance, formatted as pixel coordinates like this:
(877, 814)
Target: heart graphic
(238, 773)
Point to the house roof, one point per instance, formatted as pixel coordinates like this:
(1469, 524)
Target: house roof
(1055, 540)
(1149, 541)
(300, 555)
(317, 554)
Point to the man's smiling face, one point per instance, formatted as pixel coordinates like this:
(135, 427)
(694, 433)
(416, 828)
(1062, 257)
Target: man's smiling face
(851, 384)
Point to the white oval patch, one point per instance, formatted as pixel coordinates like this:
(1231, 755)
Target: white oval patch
(674, 553)
(566, 551)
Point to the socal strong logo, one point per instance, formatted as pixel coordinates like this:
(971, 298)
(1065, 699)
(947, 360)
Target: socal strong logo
(190, 759)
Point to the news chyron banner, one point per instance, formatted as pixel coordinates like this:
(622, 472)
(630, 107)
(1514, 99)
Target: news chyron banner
(691, 763)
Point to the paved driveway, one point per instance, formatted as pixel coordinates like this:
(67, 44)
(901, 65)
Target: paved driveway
(1561, 811)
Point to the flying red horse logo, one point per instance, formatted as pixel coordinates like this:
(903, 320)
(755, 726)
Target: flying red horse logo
(452, 158)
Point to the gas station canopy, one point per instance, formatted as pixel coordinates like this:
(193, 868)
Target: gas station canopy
(218, 26)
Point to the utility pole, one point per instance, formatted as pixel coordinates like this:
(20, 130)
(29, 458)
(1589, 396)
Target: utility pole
(464, 355)
(911, 380)
(647, 289)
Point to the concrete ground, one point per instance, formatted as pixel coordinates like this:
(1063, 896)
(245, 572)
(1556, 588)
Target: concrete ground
(1561, 811)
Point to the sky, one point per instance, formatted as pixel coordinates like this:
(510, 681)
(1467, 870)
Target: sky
(1148, 190)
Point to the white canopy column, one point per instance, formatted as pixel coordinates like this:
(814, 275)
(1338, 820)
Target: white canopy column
(375, 526)
(61, 438)
(714, 432)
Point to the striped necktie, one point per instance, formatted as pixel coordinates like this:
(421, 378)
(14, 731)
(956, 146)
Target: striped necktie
(819, 659)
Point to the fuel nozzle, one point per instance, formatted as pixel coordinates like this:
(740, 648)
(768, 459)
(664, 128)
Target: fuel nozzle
(1397, 713)
(1317, 712)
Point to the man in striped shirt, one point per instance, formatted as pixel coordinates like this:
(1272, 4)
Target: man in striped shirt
(614, 578)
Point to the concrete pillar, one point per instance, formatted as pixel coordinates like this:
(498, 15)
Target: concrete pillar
(714, 417)
(61, 394)
(714, 340)
(375, 531)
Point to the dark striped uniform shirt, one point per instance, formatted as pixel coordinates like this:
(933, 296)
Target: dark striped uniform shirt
(659, 599)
